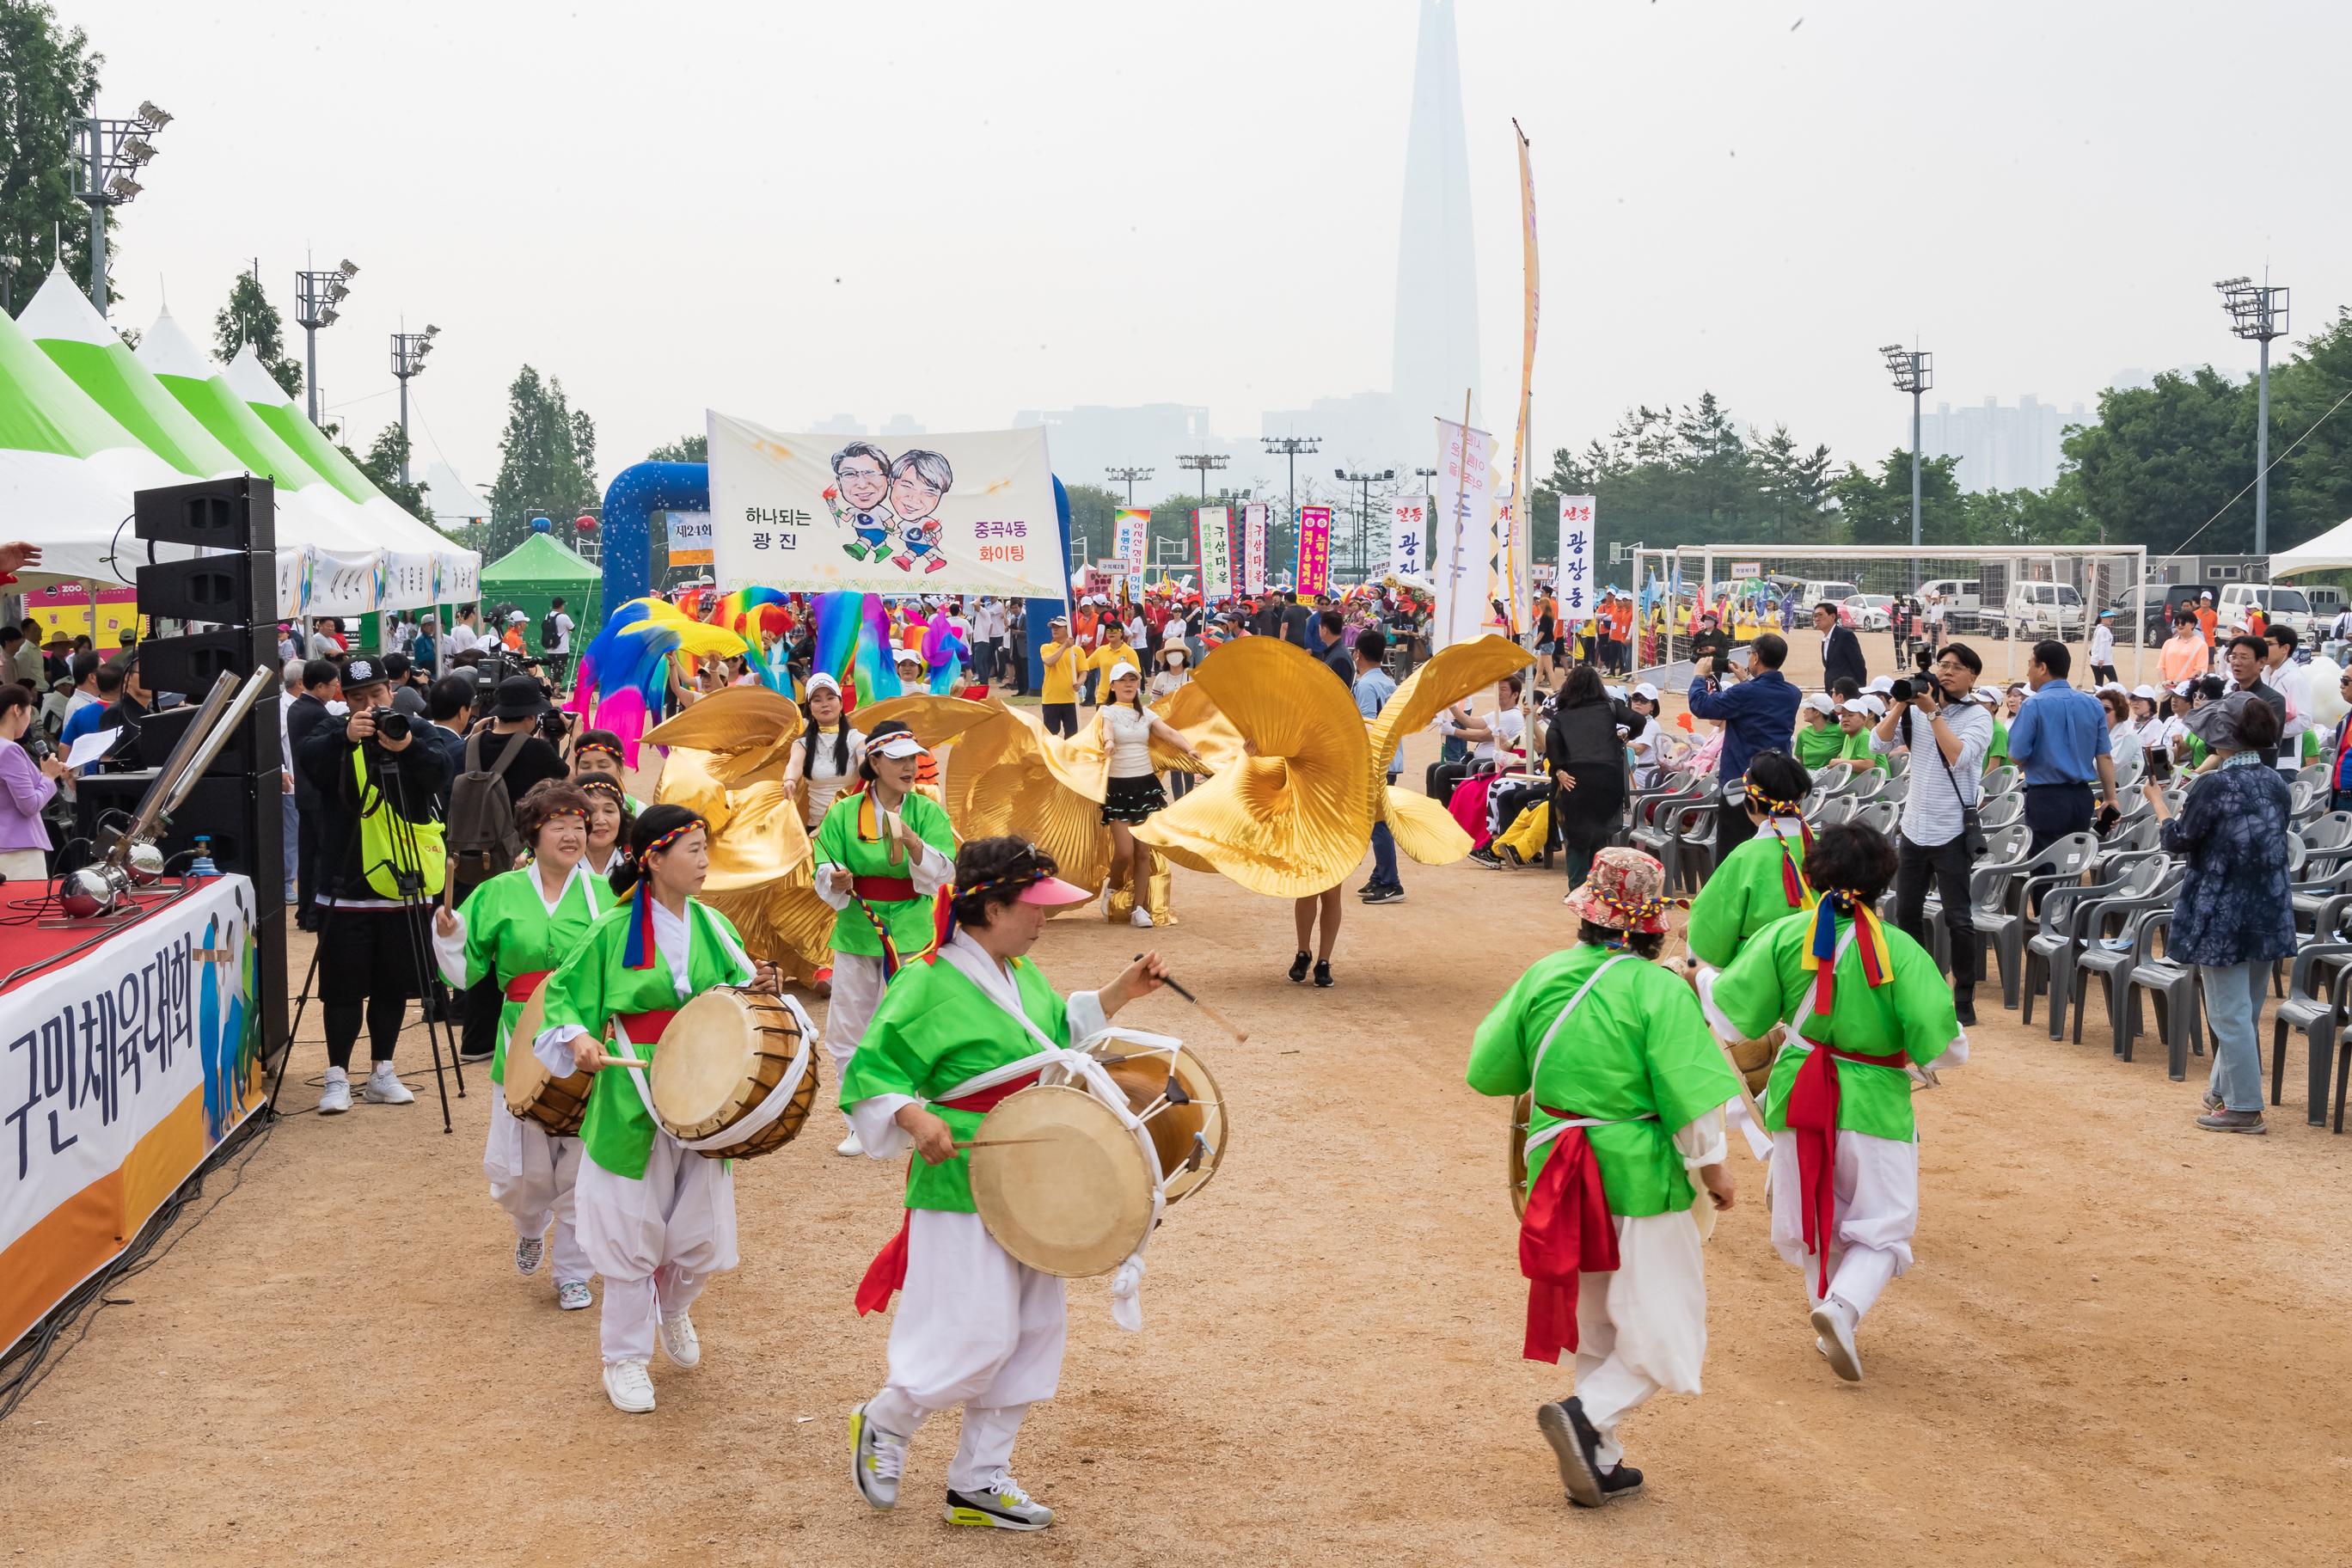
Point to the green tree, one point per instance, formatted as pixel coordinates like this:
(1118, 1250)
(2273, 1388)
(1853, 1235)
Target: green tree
(48, 77)
(1795, 484)
(1091, 509)
(2162, 460)
(382, 466)
(1877, 508)
(250, 318)
(548, 470)
(685, 449)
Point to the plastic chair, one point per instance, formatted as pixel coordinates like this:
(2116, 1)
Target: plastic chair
(2110, 929)
(2313, 1008)
(2178, 1011)
(1882, 815)
(2001, 896)
(2008, 809)
(1896, 789)
(2001, 780)
(1701, 831)
(2051, 952)
(1837, 810)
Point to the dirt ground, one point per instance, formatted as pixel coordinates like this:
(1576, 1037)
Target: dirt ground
(2124, 1340)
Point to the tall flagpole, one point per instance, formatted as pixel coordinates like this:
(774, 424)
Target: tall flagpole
(1519, 548)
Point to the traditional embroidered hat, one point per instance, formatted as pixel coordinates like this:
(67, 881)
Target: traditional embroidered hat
(1624, 890)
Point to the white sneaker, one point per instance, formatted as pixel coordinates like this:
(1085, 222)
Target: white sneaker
(572, 1295)
(876, 1460)
(1833, 1322)
(385, 1087)
(679, 1342)
(1000, 1505)
(1140, 919)
(336, 1097)
(628, 1387)
(528, 1252)
(849, 1147)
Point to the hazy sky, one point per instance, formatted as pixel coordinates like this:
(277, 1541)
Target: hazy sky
(957, 211)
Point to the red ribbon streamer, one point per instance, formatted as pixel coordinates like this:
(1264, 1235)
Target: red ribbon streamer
(1811, 1114)
(1565, 1231)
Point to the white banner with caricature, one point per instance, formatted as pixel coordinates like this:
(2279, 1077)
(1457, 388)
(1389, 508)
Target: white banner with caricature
(956, 514)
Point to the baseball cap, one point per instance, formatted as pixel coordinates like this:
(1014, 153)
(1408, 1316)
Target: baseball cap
(360, 673)
(1646, 691)
(1123, 668)
(1882, 686)
(2147, 693)
(1822, 702)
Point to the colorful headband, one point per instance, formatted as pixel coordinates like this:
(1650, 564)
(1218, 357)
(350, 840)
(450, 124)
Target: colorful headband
(1821, 953)
(943, 916)
(641, 951)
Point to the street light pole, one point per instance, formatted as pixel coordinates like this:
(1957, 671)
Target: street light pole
(2258, 312)
(1364, 513)
(408, 351)
(1913, 373)
(1202, 462)
(106, 154)
(316, 297)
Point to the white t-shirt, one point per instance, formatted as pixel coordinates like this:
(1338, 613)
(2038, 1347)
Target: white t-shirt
(564, 625)
(1506, 723)
(1128, 736)
(463, 638)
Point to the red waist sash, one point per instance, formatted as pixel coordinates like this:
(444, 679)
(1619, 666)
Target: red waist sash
(519, 988)
(887, 1273)
(893, 889)
(1811, 1114)
(1565, 1231)
(645, 1028)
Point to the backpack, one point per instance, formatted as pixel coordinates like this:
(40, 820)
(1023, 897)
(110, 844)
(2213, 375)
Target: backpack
(549, 635)
(481, 835)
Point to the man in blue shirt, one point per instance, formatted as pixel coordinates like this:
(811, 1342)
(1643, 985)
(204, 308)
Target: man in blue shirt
(1373, 687)
(1759, 714)
(2058, 739)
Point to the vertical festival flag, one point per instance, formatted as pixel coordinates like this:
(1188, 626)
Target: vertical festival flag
(1514, 545)
(1131, 532)
(1314, 574)
(1576, 592)
(1254, 548)
(1408, 534)
(1463, 523)
(1214, 537)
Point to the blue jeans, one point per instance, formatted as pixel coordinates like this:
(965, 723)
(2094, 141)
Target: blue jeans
(1384, 862)
(2233, 1004)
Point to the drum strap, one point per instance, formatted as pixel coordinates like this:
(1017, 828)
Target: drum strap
(631, 1026)
(887, 1273)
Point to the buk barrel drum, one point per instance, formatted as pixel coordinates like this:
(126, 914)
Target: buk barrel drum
(1065, 1185)
(734, 1076)
(1516, 1151)
(534, 1094)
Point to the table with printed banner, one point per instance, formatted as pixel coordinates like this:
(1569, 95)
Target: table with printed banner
(127, 1063)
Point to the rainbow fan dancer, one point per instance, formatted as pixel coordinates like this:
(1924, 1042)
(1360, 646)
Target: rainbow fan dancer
(1862, 1003)
(626, 674)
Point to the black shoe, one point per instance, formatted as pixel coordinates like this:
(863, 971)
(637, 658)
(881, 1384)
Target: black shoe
(1514, 857)
(1487, 858)
(1964, 1003)
(1298, 967)
(1323, 973)
(1623, 1481)
(470, 1057)
(1576, 1444)
(1389, 895)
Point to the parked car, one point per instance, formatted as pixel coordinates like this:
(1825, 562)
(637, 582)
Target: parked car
(1961, 609)
(1866, 611)
(2327, 602)
(2282, 606)
(2039, 610)
(1815, 591)
(2146, 613)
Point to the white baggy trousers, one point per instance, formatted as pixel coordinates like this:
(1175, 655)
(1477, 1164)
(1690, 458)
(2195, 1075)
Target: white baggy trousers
(531, 1177)
(656, 1240)
(974, 1328)
(1643, 1328)
(1876, 1182)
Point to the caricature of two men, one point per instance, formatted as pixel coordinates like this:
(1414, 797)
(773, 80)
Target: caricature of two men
(880, 499)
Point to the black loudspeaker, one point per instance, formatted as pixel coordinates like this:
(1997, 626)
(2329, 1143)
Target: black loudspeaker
(239, 589)
(218, 515)
(190, 665)
(251, 749)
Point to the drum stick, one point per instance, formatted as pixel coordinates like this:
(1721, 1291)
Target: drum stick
(1240, 1036)
(1005, 1143)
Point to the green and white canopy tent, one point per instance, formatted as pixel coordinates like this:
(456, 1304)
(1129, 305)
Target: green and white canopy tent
(84, 423)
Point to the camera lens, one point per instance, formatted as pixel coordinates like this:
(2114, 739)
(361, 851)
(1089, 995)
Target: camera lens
(392, 725)
(1902, 693)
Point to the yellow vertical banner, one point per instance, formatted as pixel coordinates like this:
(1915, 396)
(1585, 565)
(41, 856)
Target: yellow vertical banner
(1515, 546)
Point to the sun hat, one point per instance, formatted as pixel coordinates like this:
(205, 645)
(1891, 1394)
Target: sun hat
(1624, 891)
(895, 739)
(2216, 723)
(518, 697)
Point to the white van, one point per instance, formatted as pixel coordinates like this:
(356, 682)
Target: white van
(2281, 605)
(1814, 591)
(2327, 602)
(2043, 610)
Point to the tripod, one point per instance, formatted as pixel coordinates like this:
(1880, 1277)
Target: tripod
(416, 908)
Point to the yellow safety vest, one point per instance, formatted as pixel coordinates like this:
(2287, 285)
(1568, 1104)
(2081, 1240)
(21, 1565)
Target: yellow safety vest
(386, 849)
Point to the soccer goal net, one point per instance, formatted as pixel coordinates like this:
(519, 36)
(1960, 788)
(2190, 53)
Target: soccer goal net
(1898, 602)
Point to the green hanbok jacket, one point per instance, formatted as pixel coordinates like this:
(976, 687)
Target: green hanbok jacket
(840, 842)
(1637, 1045)
(509, 934)
(1744, 895)
(1911, 1013)
(592, 985)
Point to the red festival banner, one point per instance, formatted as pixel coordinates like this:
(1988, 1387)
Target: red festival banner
(1314, 550)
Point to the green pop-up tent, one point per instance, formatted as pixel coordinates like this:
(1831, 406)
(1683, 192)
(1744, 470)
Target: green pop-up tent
(532, 574)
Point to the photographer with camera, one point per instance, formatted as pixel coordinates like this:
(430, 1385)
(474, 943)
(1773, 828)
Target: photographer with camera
(376, 784)
(1946, 734)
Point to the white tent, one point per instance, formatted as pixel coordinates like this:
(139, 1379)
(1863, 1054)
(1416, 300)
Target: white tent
(2330, 552)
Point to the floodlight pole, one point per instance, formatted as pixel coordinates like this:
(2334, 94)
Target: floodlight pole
(316, 295)
(408, 351)
(1291, 447)
(1364, 514)
(2258, 310)
(1129, 476)
(105, 154)
(1914, 373)
(1202, 462)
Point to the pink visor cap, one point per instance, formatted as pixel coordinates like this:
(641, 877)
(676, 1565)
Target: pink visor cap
(1053, 891)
